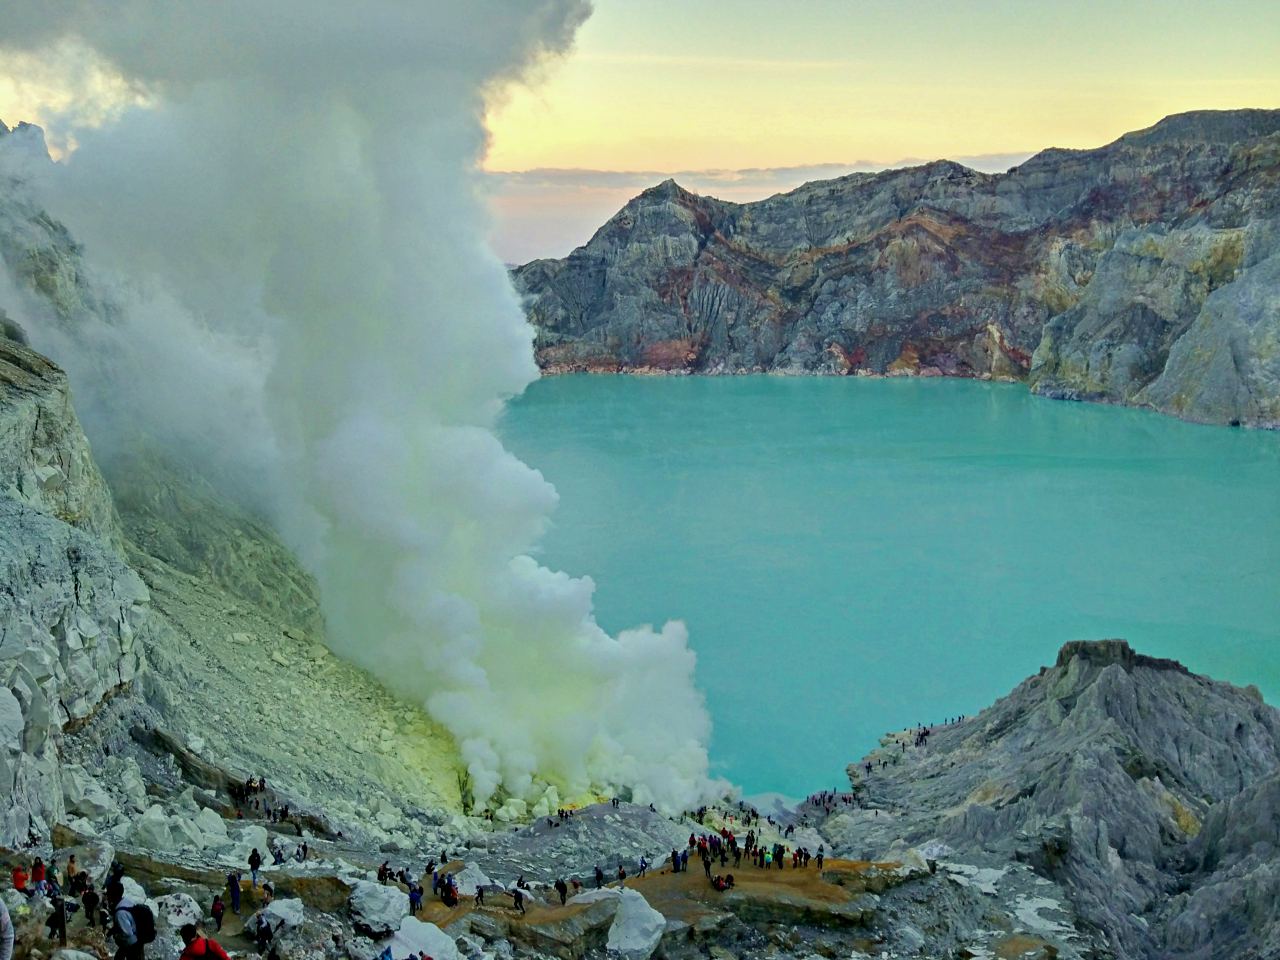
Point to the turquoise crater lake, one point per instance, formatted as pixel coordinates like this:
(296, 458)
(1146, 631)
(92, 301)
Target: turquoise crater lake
(854, 556)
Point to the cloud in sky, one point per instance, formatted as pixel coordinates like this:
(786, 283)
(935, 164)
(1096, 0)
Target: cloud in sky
(547, 212)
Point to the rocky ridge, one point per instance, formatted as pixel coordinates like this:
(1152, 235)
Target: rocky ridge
(1139, 273)
(1117, 778)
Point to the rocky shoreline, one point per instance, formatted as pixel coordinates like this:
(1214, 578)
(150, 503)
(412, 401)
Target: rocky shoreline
(1140, 273)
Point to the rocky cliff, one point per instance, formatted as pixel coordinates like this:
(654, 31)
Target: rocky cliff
(1141, 792)
(74, 618)
(1141, 272)
(178, 631)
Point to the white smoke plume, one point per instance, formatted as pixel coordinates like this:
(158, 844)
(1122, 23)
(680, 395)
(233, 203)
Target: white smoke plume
(294, 196)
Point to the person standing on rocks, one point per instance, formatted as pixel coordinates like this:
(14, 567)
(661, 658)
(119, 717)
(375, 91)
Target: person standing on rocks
(57, 922)
(255, 863)
(562, 888)
(90, 900)
(599, 877)
(199, 947)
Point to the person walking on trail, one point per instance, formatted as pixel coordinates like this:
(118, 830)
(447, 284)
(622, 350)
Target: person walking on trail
(599, 877)
(217, 910)
(255, 863)
(233, 888)
(518, 896)
(562, 888)
(199, 947)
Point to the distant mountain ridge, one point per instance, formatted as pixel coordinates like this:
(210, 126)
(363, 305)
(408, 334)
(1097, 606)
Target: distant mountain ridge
(1142, 272)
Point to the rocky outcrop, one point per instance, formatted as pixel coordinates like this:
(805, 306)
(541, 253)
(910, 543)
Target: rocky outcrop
(45, 460)
(1226, 368)
(74, 618)
(1133, 785)
(1081, 271)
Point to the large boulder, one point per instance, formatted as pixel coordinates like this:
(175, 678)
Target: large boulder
(91, 858)
(637, 927)
(469, 878)
(173, 910)
(123, 773)
(253, 837)
(211, 825)
(83, 795)
(186, 834)
(377, 910)
(415, 936)
(285, 914)
(151, 830)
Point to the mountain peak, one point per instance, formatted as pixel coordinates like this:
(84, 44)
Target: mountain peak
(667, 189)
(1103, 653)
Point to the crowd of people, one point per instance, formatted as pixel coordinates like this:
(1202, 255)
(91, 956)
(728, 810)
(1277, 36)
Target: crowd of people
(128, 924)
(131, 926)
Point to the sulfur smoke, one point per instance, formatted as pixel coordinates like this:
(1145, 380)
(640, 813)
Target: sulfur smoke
(311, 310)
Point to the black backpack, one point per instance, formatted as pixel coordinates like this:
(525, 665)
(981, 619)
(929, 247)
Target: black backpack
(144, 923)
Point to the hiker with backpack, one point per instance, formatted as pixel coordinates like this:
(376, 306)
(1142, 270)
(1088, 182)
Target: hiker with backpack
(198, 946)
(134, 923)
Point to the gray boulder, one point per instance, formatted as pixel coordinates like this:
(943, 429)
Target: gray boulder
(377, 909)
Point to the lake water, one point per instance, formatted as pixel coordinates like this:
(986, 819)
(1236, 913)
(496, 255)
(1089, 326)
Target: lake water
(854, 556)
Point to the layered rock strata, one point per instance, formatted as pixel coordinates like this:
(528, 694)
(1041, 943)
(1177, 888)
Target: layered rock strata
(1138, 273)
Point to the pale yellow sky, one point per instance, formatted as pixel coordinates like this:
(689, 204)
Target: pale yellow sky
(791, 91)
(667, 85)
